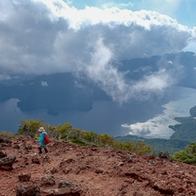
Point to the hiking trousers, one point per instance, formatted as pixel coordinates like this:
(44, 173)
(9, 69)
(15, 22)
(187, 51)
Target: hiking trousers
(40, 149)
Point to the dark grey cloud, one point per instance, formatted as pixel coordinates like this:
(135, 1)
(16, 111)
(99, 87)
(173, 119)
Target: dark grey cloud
(43, 37)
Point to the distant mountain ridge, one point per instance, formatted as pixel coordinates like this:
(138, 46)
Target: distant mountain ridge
(184, 134)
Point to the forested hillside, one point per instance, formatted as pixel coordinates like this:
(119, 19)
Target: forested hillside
(185, 133)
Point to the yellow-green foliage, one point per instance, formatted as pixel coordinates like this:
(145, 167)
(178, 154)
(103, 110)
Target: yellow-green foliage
(64, 129)
(119, 145)
(105, 140)
(128, 145)
(91, 137)
(81, 137)
(139, 147)
(29, 127)
(6, 134)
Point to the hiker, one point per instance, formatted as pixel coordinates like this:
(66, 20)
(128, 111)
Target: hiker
(42, 131)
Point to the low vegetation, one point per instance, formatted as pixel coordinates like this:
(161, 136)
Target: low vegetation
(65, 132)
(6, 134)
(186, 156)
(158, 144)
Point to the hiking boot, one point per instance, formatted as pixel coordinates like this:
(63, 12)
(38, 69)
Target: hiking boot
(46, 150)
(40, 150)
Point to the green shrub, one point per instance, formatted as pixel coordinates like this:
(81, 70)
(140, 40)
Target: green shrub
(79, 142)
(6, 134)
(186, 156)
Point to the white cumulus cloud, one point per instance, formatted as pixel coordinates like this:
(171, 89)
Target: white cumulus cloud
(49, 36)
(158, 127)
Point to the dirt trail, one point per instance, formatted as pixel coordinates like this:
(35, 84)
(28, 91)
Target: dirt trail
(94, 171)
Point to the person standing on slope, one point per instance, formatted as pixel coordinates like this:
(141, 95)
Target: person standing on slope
(42, 132)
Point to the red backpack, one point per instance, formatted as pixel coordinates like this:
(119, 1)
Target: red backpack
(46, 139)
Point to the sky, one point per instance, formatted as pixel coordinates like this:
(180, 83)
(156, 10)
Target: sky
(93, 37)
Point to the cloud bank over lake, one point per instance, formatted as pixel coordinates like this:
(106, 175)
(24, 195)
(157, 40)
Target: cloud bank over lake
(158, 127)
(45, 37)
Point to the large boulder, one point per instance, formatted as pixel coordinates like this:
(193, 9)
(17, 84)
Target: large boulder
(47, 180)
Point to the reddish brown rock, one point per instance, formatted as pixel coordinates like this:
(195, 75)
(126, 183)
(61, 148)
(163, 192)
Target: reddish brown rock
(24, 177)
(91, 171)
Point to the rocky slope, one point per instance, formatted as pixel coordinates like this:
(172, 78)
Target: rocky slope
(71, 170)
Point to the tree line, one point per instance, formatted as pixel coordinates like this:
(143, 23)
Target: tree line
(65, 132)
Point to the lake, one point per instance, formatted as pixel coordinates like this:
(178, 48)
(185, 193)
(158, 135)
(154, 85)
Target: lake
(109, 117)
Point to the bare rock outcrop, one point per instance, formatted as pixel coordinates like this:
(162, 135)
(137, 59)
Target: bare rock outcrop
(24, 177)
(2, 154)
(7, 162)
(164, 155)
(48, 180)
(5, 140)
(65, 188)
(28, 190)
